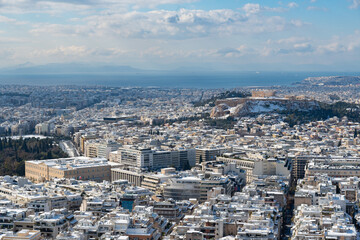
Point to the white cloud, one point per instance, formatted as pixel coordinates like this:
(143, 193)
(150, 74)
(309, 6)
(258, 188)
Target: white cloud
(303, 47)
(62, 51)
(11, 40)
(48, 6)
(4, 19)
(60, 30)
(255, 8)
(232, 52)
(297, 23)
(354, 41)
(292, 5)
(78, 52)
(6, 56)
(251, 8)
(314, 8)
(139, 30)
(181, 24)
(291, 40)
(333, 47)
(297, 49)
(355, 4)
(337, 44)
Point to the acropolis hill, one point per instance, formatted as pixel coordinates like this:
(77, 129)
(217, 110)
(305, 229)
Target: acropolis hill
(261, 102)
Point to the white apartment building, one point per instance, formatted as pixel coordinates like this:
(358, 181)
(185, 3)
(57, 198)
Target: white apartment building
(153, 159)
(100, 148)
(259, 167)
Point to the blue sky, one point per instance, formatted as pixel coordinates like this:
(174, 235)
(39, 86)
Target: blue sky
(189, 34)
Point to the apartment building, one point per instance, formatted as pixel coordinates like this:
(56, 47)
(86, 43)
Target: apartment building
(153, 159)
(169, 210)
(50, 224)
(258, 167)
(188, 187)
(100, 148)
(84, 138)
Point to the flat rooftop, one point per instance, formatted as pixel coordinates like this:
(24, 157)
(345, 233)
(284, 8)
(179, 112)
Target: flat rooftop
(73, 163)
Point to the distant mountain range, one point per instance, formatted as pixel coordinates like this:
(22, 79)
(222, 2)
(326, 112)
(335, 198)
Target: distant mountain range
(68, 68)
(88, 68)
(108, 68)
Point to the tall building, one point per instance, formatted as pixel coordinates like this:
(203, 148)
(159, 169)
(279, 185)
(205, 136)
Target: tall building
(137, 157)
(85, 138)
(208, 154)
(187, 158)
(153, 159)
(105, 148)
(91, 149)
(100, 148)
(163, 159)
(299, 164)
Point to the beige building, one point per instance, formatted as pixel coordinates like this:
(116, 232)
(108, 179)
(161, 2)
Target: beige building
(131, 174)
(263, 94)
(91, 149)
(83, 139)
(82, 168)
(24, 234)
(153, 181)
(300, 199)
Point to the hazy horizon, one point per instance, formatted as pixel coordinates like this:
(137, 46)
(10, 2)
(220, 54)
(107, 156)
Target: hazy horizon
(210, 80)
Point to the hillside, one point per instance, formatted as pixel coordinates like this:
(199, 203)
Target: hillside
(332, 80)
(238, 107)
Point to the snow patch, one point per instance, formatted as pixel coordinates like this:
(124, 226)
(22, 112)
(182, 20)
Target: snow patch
(266, 107)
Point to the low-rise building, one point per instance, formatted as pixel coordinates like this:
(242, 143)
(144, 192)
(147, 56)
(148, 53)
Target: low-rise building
(84, 168)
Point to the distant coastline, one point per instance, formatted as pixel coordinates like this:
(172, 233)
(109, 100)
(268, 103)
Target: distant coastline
(211, 80)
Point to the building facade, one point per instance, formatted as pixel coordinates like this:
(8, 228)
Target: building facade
(82, 168)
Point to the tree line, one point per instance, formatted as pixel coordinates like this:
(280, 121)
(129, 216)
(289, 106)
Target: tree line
(338, 109)
(228, 94)
(14, 153)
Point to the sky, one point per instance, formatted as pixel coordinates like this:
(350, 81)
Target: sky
(225, 35)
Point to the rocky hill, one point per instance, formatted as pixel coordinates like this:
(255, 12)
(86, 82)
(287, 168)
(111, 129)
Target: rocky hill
(237, 107)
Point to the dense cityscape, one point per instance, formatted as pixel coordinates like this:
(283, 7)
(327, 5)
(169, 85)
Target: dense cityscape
(179, 120)
(155, 163)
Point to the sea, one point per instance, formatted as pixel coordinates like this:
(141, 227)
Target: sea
(204, 80)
